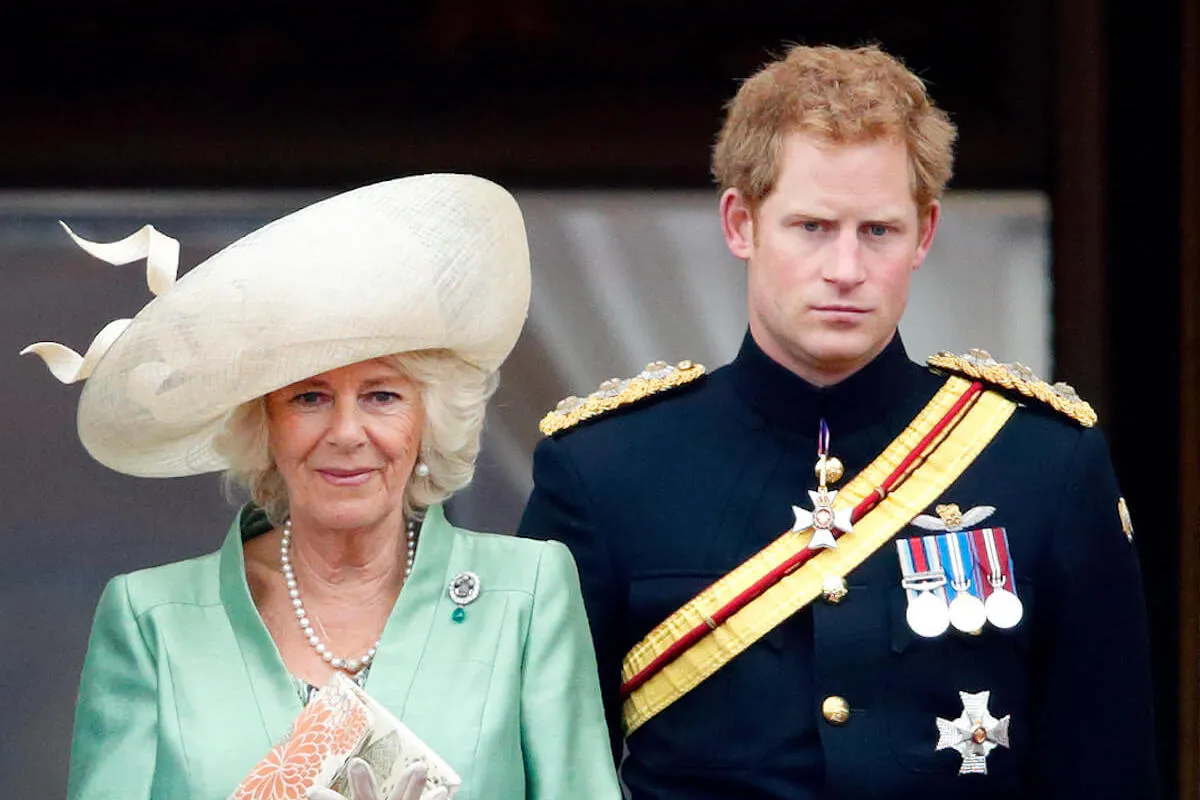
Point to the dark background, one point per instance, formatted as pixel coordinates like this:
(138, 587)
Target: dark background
(1092, 102)
(544, 92)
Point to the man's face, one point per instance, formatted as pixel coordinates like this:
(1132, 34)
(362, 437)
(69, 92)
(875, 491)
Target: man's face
(829, 254)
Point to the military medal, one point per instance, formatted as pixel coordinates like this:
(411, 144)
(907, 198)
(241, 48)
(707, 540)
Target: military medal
(975, 734)
(824, 519)
(1003, 607)
(967, 611)
(927, 615)
(925, 581)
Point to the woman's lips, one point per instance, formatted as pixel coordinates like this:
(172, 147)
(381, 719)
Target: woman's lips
(345, 477)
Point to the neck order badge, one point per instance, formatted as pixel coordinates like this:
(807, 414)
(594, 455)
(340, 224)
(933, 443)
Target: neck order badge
(824, 519)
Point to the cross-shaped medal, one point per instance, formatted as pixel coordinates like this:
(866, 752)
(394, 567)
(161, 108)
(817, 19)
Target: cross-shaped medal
(823, 519)
(975, 734)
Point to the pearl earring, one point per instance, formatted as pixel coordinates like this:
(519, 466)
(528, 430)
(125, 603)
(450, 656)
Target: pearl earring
(422, 469)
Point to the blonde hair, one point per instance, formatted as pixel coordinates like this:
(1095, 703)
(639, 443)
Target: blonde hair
(840, 95)
(454, 394)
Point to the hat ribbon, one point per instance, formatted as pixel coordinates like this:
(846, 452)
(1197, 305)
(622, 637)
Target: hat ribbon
(162, 267)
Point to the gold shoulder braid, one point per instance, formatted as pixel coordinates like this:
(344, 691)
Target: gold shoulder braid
(658, 376)
(980, 365)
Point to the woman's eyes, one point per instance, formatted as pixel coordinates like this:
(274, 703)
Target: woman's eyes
(377, 397)
(308, 398)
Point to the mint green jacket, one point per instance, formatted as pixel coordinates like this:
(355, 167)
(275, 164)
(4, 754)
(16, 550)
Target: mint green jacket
(183, 690)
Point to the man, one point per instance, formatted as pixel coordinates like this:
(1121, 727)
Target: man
(826, 571)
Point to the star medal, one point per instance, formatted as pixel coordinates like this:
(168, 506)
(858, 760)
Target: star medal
(975, 733)
(925, 582)
(967, 612)
(1004, 608)
(824, 519)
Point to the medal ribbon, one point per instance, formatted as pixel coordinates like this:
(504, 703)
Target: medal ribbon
(921, 572)
(991, 548)
(933, 563)
(955, 577)
(907, 567)
(955, 549)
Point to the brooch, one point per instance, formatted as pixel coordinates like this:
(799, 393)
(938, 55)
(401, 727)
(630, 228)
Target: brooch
(463, 591)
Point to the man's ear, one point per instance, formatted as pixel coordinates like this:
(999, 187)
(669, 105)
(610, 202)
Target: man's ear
(928, 228)
(737, 223)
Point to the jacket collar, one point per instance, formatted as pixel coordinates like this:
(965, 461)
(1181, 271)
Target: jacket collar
(404, 637)
(785, 400)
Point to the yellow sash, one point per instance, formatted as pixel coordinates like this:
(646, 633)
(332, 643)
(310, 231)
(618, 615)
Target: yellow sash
(948, 458)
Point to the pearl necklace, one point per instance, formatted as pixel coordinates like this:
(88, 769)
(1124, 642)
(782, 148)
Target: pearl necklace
(354, 666)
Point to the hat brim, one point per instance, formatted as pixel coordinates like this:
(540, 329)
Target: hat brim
(431, 261)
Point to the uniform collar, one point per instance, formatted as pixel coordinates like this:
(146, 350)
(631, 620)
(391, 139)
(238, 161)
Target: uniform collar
(788, 401)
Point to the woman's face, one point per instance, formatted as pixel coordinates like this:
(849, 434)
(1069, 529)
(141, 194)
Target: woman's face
(345, 442)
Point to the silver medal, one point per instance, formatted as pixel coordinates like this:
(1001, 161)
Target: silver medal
(967, 613)
(1004, 609)
(966, 610)
(927, 615)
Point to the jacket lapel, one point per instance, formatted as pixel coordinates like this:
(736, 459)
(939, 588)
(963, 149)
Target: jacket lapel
(272, 686)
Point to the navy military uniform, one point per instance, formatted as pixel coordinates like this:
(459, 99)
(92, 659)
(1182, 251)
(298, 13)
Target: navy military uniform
(659, 499)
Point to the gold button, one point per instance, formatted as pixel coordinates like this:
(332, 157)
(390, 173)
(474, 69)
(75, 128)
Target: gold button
(835, 710)
(833, 589)
(833, 468)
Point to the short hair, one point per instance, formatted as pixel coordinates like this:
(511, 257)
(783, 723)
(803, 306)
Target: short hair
(845, 96)
(454, 394)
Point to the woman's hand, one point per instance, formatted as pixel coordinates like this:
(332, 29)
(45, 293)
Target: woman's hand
(363, 785)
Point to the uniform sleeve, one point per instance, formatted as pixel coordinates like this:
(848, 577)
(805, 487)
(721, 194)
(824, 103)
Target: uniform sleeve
(562, 721)
(561, 508)
(114, 745)
(1094, 727)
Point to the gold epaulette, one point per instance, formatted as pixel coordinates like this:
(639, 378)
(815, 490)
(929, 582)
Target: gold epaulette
(1017, 377)
(657, 377)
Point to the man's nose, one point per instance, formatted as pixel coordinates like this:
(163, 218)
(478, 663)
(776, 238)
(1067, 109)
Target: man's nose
(845, 267)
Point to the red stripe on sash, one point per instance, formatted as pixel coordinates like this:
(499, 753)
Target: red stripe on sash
(910, 463)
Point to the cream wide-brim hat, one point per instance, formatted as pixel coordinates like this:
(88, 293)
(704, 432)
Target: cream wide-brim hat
(431, 261)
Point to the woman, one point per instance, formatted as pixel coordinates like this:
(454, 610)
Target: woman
(337, 363)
